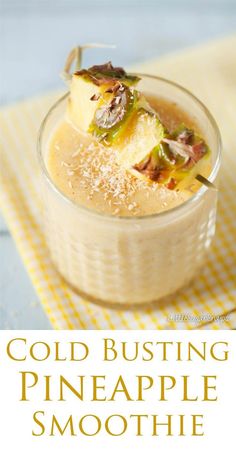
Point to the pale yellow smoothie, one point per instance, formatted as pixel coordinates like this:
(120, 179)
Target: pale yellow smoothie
(118, 238)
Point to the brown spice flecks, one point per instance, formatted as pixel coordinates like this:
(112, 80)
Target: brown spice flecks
(113, 89)
(95, 97)
(148, 168)
(171, 184)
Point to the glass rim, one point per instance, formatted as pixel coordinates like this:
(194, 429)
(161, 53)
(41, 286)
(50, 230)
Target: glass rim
(183, 206)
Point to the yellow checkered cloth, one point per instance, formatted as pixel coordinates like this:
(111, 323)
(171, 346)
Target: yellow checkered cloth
(210, 73)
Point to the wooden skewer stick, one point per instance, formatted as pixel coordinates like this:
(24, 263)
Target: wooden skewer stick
(76, 55)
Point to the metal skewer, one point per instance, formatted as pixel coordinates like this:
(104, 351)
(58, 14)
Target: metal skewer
(206, 182)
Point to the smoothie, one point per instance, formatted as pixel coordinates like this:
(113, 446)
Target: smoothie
(121, 232)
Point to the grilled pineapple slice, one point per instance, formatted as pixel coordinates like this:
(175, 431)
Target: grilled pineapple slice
(145, 132)
(81, 108)
(92, 91)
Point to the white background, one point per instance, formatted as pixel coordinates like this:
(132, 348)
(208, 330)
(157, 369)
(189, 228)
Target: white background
(16, 416)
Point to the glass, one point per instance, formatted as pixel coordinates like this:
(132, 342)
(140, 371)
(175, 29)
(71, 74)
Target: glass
(131, 260)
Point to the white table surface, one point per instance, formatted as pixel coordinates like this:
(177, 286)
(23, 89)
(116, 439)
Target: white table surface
(35, 37)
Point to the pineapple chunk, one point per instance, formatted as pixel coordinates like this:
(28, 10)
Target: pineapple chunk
(80, 108)
(187, 178)
(144, 133)
(92, 89)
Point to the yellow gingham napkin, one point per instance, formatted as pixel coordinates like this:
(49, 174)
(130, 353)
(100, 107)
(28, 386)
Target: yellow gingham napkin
(210, 73)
